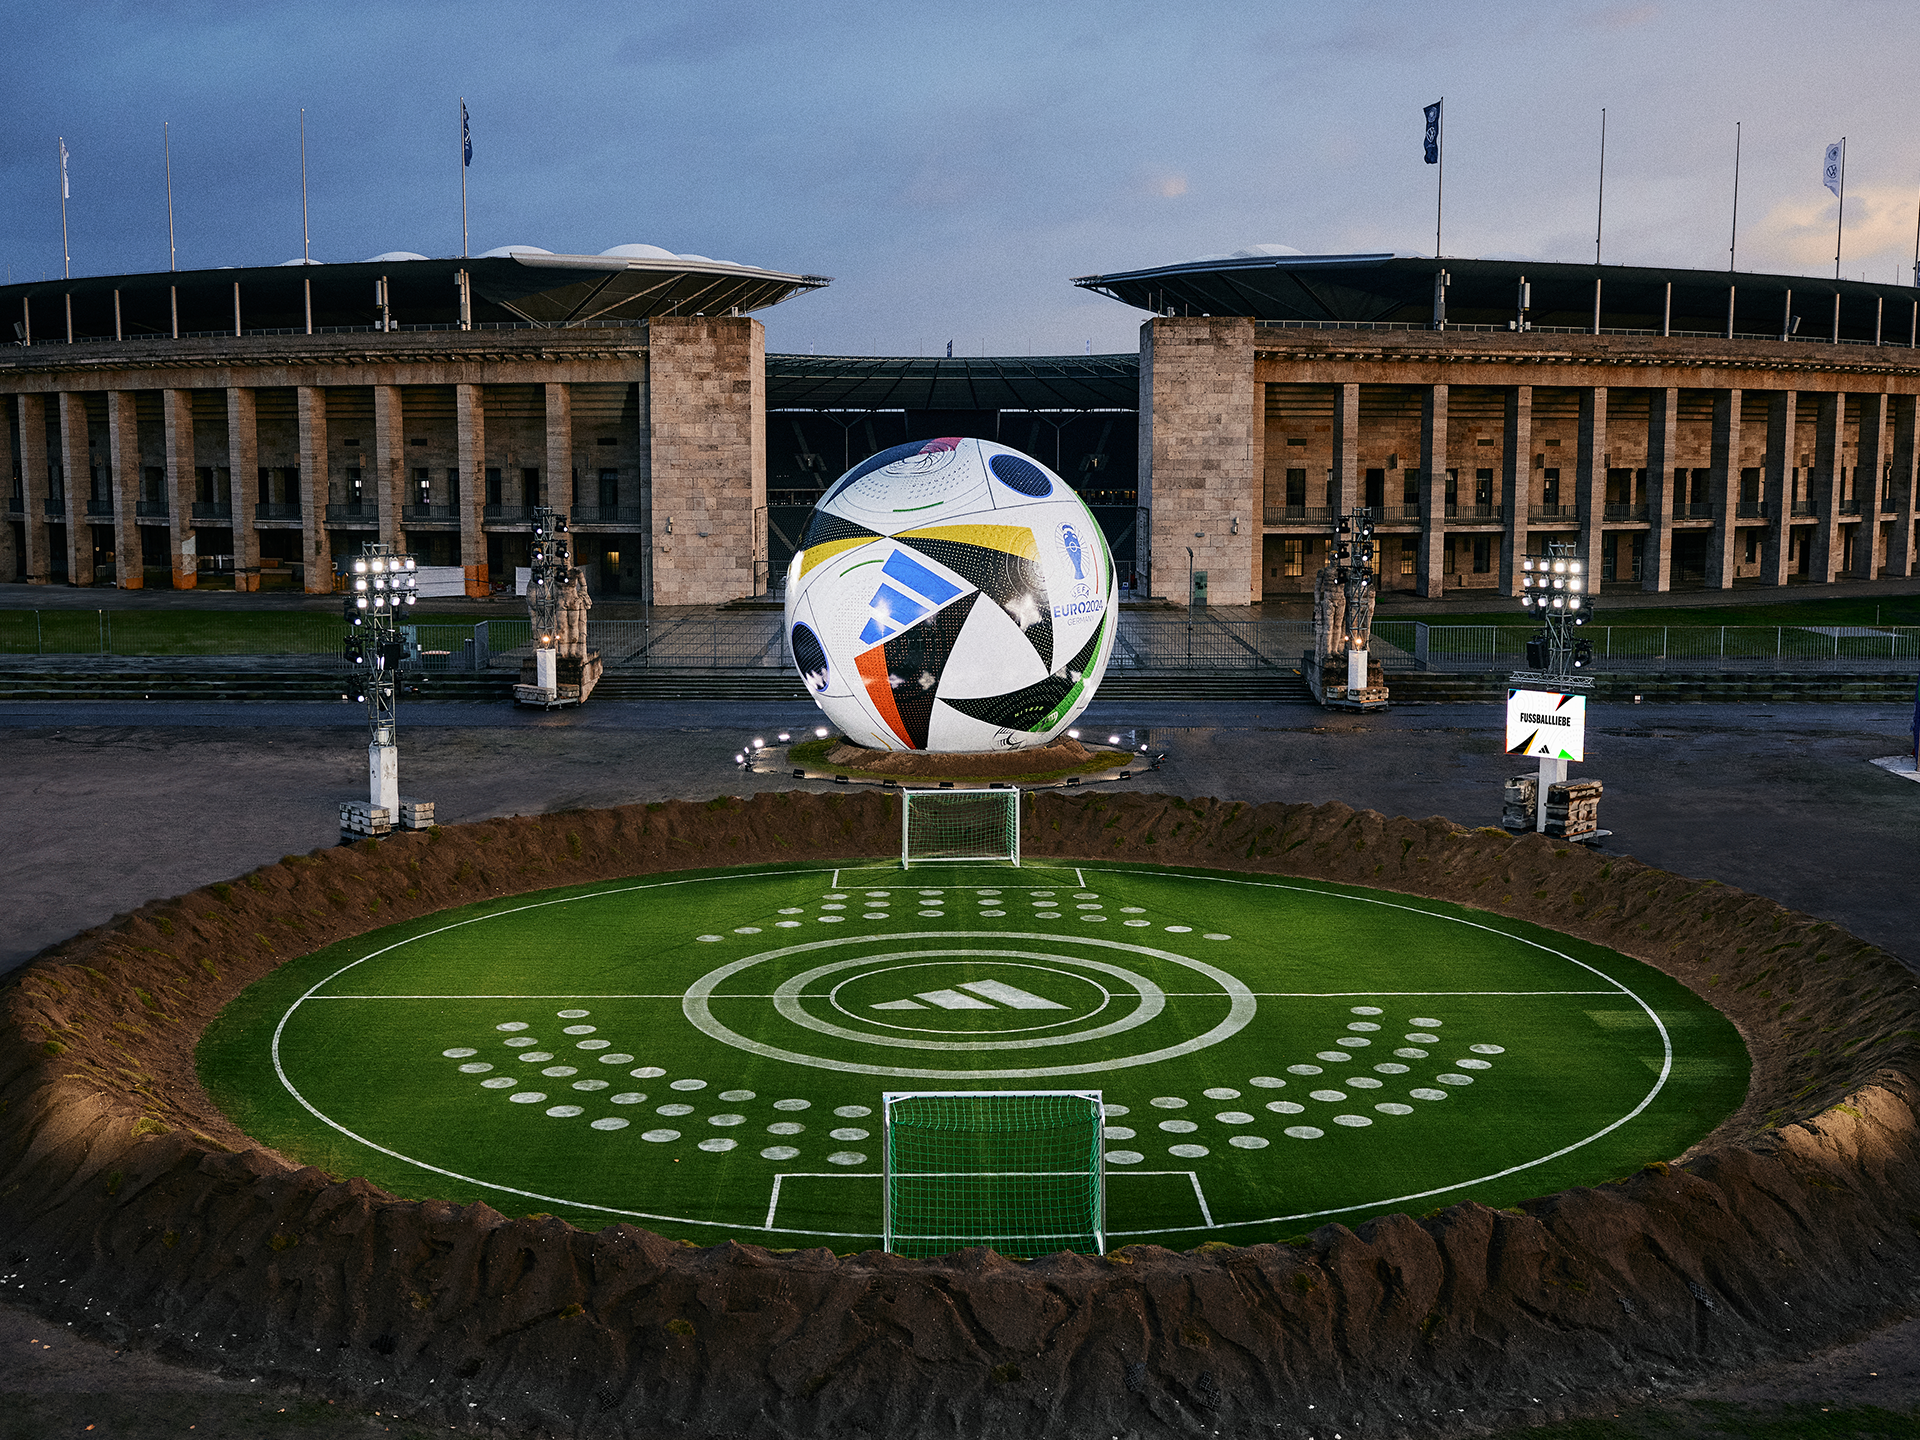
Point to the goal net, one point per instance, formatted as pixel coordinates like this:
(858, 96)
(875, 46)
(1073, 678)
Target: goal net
(1017, 1170)
(959, 825)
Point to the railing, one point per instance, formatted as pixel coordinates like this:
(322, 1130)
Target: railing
(213, 509)
(15, 505)
(1804, 507)
(54, 508)
(1532, 329)
(279, 512)
(149, 509)
(1553, 512)
(508, 514)
(1849, 507)
(1298, 514)
(1693, 512)
(1475, 512)
(422, 513)
(100, 507)
(607, 514)
(1624, 512)
(355, 511)
(1751, 510)
(1633, 648)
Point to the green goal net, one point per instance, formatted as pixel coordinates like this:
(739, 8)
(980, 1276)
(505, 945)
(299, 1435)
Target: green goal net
(959, 825)
(1017, 1170)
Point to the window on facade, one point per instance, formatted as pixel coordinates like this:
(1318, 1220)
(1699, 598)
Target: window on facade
(1753, 547)
(1376, 491)
(1483, 487)
(609, 489)
(203, 484)
(1750, 484)
(453, 486)
(530, 485)
(1482, 554)
(494, 486)
(1290, 563)
(1449, 561)
(1702, 480)
(1297, 489)
(1409, 552)
(1453, 487)
(1333, 491)
(1550, 487)
(1410, 488)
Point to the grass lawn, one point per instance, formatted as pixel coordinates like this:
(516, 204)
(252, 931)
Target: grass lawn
(705, 1054)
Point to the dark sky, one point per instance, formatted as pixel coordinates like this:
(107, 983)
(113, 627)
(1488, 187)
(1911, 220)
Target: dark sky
(951, 166)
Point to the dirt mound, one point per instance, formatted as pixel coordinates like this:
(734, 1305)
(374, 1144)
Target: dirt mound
(131, 1206)
(1043, 760)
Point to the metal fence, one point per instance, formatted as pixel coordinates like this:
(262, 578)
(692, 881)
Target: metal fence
(1631, 648)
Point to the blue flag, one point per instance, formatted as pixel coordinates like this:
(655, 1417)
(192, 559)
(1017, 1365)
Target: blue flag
(466, 137)
(1433, 132)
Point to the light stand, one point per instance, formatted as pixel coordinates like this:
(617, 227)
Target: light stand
(1343, 618)
(381, 589)
(557, 618)
(1556, 587)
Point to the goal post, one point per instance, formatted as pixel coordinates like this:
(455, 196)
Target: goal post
(959, 826)
(1018, 1170)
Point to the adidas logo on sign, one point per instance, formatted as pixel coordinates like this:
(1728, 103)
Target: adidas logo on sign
(975, 995)
(893, 608)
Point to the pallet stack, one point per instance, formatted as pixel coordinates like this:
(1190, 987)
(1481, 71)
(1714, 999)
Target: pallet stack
(1573, 809)
(1519, 798)
(362, 820)
(416, 814)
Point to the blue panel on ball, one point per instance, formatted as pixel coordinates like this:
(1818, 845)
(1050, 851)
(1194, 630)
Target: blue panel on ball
(1021, 475)
(810, 657)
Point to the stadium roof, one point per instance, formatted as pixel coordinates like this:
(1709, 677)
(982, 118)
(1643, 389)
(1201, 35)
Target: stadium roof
(513, 288)
(1398, 289)
(1042, 382)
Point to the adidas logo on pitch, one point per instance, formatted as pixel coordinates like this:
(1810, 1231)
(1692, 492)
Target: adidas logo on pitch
(975, 995)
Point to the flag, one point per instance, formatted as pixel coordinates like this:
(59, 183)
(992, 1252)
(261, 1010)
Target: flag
(1830, 170)
(1433, 132)
(466, 137)
(949, 349)
(64, 193)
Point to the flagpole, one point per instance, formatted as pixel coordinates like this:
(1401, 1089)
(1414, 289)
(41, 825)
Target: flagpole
(166, 141)
(66, 255)
(1733, 238)
(1600, 210)
(1840, 220)
(463, 177)
(1440, 179)
(306, 241)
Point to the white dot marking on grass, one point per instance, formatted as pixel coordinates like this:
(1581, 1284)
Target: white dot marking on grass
(1330, 1096)
(647, 1072)
(1363, 1025)
(986, 892)
(1133, 909)
(833, 907)
(521, 1041)
(459, 1052)
(1040, 895)
(1303, 1069)
(1086, 895)
(527, 1097)
(1124, 1157)
(726, 1120)
(1393, 1108)
(832, 919)
(793, 910)
(1167, 1102)
(785, 1127)
(1303, 1132)
(1268, 1082)
(853, 1112)
(593, 1045)
(1364, 1010)
(1179, 929)
(1216, 936)
(993, 914)
(846, 1157)
(778, 1152)
(1116, 1110)
(1178, 1127)
(512, 1025)
(580, 1029)
(534, 1057)
(689, 1085)
(933, 892)
(1452, 1079)
(1363, 1082)
(1284, 1107)
(746, 929)
(478, 1067)
(1420, 1038)
(1334, 1057)
(719, 1144)
(1187, 1152)
(849, 1132)
(1221, 1092)
(1234, 1117)
(735, 1097)
(616, 1059)
(1249, 1142)
(589, 1085)
(1116, 1132)
(709, 939)
(611, 1122)
(573, 1014)
(835, 895)
(1488, 1049)
(793, 1104)
(1091, 905)
(630, 1097)
(559, 1071)
(1409, 1053)
(1137, 924)
(786, 924)
(499, 1082)
(931, 914)
(1474, 1064)
(1428, 1094)
(1424, 1022)
(1388, 1067)
(1352, 1122)
(674, 1110)
(659, 1137)
(1353, 1042)
(1101, 919)
(563, 1112)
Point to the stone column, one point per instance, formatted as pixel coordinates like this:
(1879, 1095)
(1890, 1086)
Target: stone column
(1663, 441)
(1198, 461)
(1823, 487)
(34, 486)
(389, 456)
(76, 470)
(1346, 447)
(1433, 491)
(1870, 461)
(1724, 489)
(243, 465)
(310, 408)
(560, 447)
(123, 472)
(1590, 470)
(10, 557)
(183, 547)
(470, 422)
(1782, 424)
(1516, 484)
(1900, 549)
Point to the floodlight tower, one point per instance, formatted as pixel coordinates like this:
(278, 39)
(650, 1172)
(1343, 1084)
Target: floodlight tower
(1353, 570)
(381, 589)
(1556, 587)
(552, 560)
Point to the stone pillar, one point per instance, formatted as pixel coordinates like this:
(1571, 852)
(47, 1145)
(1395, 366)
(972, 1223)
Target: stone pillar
(1823, 488)
(76, 472)
(243, 465)
(310, 409)
(1346, 447)
(1663, 441)
(1516, 484)
(1900, 549)
(34, 486)
(123, 472)
(1590, 470)
(183, 548)
(560, 448)
(1199, 463)
(1433, 491)
(1724, 489)
(389, 456)
(1870, 462)
(470, 422)
(1782, 423)
(10, 557)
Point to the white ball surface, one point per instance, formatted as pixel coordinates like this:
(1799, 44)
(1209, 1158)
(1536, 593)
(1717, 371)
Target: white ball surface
(951, 595)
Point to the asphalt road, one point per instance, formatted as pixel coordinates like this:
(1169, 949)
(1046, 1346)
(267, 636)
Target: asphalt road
(116, 804)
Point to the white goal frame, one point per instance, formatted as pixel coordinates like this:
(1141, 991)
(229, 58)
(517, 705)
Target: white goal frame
(931, 802)
(1096, 1098)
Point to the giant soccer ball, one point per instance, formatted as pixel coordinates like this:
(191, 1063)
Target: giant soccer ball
(951, 595)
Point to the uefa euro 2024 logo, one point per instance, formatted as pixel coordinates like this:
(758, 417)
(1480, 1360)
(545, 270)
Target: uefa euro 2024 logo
(1084, 601)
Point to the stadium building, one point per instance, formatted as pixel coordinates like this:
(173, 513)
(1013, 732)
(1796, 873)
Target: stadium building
(252, 426)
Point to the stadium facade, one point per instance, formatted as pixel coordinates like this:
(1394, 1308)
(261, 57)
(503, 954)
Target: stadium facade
(248, 426)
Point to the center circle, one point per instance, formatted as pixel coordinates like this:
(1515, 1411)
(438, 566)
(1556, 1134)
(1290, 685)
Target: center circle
(894, 983)
(697, 1005)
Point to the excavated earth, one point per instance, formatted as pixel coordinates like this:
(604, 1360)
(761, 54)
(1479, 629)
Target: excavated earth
(131, 1207)
(1061, 755)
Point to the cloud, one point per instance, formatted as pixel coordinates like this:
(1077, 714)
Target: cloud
(1167, 184)
(1879, 218)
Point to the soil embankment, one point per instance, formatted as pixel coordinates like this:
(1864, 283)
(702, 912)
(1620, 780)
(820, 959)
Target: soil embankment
(133, 1207)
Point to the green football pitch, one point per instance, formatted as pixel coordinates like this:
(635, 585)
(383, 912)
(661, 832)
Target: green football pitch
(705, 1053)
